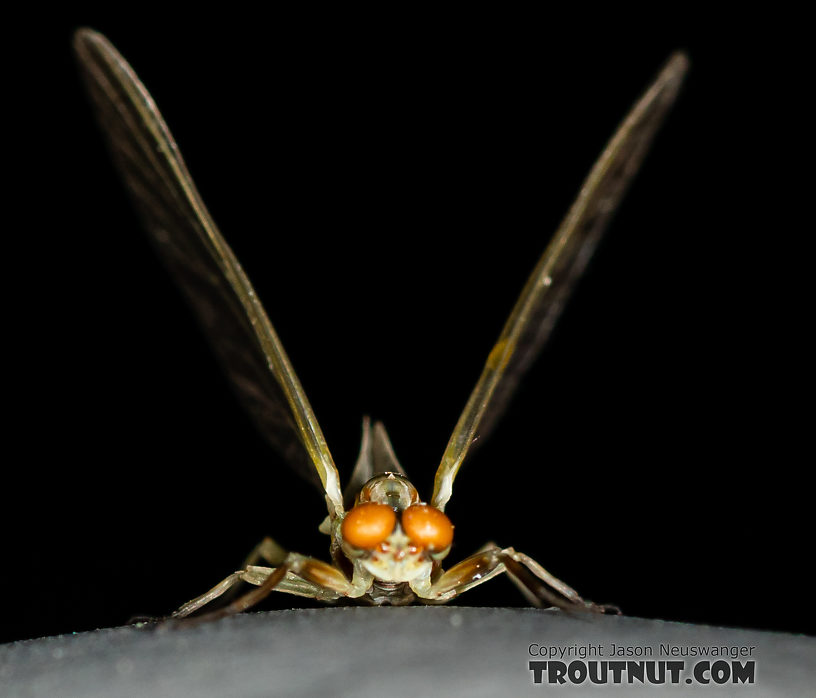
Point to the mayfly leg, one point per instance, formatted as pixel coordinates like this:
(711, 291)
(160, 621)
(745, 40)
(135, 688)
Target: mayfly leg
(267, 550)
(533, 581)
(297, 574)
(538, 585)
(242, 603)
(214, 593)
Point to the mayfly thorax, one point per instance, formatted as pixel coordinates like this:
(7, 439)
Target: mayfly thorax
(387, 542)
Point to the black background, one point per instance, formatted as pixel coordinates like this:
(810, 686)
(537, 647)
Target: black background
(388, 183)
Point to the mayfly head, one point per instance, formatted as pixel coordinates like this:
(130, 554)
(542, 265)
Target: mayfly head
(390, 533)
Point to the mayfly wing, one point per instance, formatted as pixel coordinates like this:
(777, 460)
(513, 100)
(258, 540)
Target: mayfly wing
(376, 456)
(554, 277)
(203, 264)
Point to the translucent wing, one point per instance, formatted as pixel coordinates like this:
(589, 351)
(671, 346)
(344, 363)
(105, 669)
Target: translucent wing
(553, 278)
(376, 456)
(203, 264)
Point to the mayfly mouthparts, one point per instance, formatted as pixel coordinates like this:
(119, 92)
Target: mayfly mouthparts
(387, 544)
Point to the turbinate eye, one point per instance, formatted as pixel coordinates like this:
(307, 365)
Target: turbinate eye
(368, 525)
(428, 527)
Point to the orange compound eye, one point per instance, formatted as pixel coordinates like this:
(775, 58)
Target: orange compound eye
(368, 525)
(427, 526)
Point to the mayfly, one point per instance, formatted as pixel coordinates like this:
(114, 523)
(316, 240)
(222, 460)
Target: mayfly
(387, 544)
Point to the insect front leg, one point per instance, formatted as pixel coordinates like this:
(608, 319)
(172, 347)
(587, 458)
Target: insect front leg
(192, 606)
(267, 550)
(253, 575)
(297, 574)
(539, 586)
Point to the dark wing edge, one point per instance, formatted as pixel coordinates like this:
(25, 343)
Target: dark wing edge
(202, 263)
(553, 279)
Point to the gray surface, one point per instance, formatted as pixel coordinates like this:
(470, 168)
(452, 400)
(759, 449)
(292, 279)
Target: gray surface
(386, 652)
